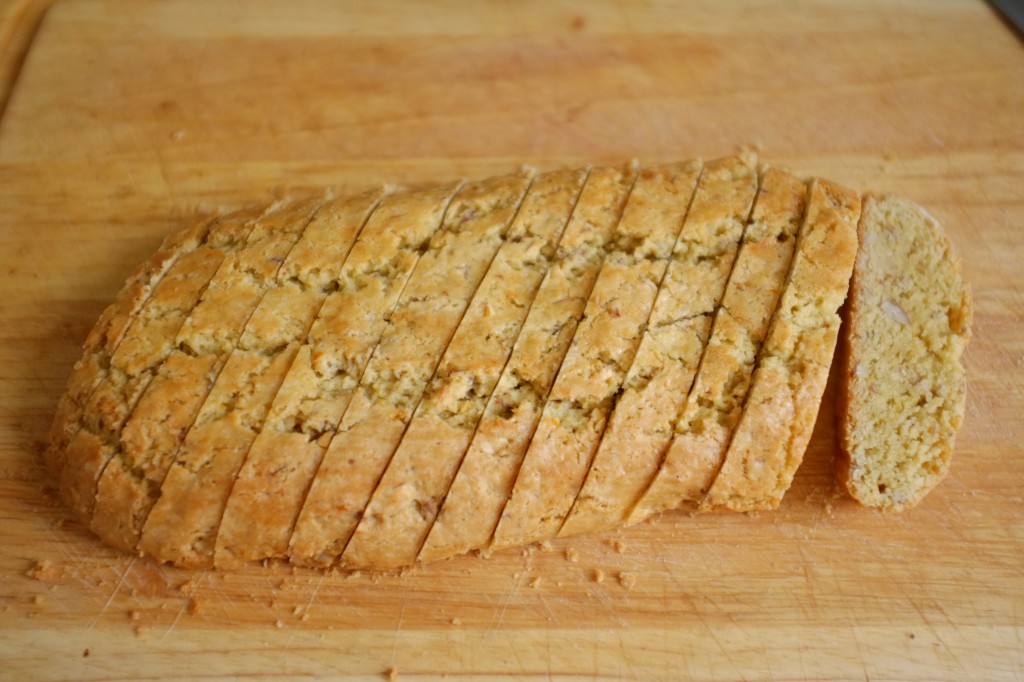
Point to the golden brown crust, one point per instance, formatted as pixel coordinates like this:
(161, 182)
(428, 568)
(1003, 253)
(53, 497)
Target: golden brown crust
(279, 469)
(653, 416)
(143, 347)
(601, 352)
(106, 335)
(778, 416)
(908, 323)
(481, 487)
(403, 507)
(418, 332)
(165, 400)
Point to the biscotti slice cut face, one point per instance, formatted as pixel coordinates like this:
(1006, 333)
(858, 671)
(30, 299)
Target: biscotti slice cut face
(785, 392)
(182, 524)
(715, 401)
(135, 361)
(642, 423)
(272, 484)
(907, 325)
(406, 500)
(423, 323)
(481, 486)
(169, 402)
(107, 334)
(599, 357)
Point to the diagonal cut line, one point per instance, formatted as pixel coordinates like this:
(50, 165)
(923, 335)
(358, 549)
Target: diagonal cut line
(504, 366)
(693, 382)
(312, 481)
(440, 356)
(611, 409)
(215, 374)
(368, 213)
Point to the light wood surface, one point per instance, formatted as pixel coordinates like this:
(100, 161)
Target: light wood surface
(129, 117)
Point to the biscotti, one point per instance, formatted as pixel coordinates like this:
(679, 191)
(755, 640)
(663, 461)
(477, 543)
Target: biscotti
(641, 425)
(599, 357)
(778, 414)
(477, 496)
(909, 322)
(409, 374)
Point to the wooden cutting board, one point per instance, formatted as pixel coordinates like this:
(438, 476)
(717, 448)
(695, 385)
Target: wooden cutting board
(129, 117)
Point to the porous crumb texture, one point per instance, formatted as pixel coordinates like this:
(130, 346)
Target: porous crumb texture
(908, 323)
(403, 375)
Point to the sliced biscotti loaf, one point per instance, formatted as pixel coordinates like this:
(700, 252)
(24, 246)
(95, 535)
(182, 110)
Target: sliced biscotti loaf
(107, 334)
(640, 426)
(481, 486)
(599, 357)
(183, 522)
(406, 500)
(715, 400)
(780, 408)
(908, 323)
(279, 468)
(146, 343)
(431, 307)
(169, 393)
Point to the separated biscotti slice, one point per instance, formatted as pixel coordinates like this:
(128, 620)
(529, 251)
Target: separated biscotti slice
(481, 486)
(271, 486)
(106, 336)
(406, 500)
(642, 424)
(778, 416)
(168, 402)
(125, 491)
(908, 323)
(144, 346)
(601, 353)
(418, 332)
(713, 405)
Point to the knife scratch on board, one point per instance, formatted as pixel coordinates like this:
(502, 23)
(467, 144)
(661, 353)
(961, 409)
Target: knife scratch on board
(398, 631)
(193, 587)
(113, 593)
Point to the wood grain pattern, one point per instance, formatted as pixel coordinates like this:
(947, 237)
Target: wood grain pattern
(130, 117)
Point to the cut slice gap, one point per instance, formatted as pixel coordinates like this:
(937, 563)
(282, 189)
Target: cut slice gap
(720, 256)
(183, 522)
(269, 490)
(154, 428)
(107, 334)
(143, 348)
(481, 486)
(748, 297)
(600, 354)
(792, 368)
(417, 334)
(406, 500)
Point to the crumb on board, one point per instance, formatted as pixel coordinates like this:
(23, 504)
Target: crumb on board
(392, 674)
(534, 581)
(597, 575)
(618, 545)
(43, 570)
(627, 580)
(456, 621)
(195, 607)
(572, 555)
(545, 545)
